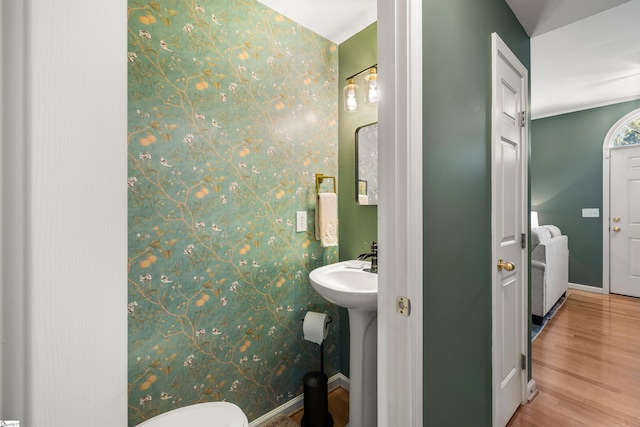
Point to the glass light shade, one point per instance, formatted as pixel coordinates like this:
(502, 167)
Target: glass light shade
(371, 86)
(350, 99)
(534, 219)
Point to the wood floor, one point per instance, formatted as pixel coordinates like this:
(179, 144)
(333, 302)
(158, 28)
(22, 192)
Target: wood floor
(338, 408)
(586, 363)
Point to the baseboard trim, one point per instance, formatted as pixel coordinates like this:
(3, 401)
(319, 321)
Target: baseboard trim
(532, 390)
(585, 288)
(338, 380)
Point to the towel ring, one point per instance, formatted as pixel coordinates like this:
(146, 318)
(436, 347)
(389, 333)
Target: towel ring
(320, 178)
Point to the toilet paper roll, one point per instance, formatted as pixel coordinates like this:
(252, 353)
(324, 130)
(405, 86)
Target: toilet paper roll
(315, 327)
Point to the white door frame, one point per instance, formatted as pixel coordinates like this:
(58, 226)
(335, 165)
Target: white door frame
(500, 49)
(13, 211)
(606, 200)
(400, 350)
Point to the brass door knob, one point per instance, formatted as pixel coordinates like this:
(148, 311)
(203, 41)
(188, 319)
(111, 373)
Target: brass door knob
(616, 219)
(616, 229)
(509, 266)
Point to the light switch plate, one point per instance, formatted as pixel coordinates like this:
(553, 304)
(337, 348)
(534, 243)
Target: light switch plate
(590, 212)
(301, 221)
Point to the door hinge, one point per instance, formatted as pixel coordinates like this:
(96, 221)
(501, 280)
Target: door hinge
(523, 362)
(523, 119)
(523, 241)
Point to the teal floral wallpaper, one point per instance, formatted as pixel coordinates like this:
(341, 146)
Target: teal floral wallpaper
(232, 110)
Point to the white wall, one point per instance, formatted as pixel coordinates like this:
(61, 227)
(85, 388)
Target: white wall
(75, 168)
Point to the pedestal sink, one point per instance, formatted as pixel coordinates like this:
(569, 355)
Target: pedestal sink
(348, 285)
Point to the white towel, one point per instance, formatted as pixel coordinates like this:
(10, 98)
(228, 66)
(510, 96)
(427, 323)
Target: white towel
(327, 219)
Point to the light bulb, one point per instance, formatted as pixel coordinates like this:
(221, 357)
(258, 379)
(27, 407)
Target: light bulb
(350, 100)
(352, 103)
(371, 79)
(372, 95)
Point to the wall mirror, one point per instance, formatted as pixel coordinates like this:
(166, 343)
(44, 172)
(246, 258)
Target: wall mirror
(367, 164)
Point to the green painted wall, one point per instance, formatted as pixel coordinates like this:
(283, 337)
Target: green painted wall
(566, 176)
(457, 204)
(358, 224)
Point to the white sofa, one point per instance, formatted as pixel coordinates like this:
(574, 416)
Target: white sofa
(549, 269)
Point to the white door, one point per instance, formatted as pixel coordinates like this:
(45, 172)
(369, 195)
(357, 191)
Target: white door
(624, 224)
(509, 149)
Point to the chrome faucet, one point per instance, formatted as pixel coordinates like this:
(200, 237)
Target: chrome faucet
(374, 258)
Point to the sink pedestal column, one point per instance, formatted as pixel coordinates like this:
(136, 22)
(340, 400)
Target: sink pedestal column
(363, 368)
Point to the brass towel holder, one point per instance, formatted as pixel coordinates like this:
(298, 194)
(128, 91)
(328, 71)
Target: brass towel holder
(320, 177)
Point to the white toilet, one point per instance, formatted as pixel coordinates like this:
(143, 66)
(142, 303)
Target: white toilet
(210, 414)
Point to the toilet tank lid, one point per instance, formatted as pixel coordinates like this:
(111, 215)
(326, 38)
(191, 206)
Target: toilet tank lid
(210, 414)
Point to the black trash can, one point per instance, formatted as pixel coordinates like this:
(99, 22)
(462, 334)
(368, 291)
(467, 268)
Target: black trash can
(316, 400)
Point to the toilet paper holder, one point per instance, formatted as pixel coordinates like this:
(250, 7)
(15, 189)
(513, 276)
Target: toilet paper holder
(330, 319)
(316, 400)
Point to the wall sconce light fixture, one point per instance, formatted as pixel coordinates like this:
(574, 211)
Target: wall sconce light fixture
(371, 89)
(350, 99)
(371, 82)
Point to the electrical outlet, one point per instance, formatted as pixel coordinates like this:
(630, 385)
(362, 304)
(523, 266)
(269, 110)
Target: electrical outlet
(301, 221)
(590, 212)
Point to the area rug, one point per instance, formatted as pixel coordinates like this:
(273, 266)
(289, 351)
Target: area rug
(536, 329)
(280, 421)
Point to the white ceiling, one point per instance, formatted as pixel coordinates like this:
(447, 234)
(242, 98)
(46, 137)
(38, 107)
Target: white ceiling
(584, 53)
(540, 16)
(589, 63)
(322, 17)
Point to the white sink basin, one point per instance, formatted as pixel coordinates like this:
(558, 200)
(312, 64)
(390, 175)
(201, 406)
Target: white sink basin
(351, 288)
